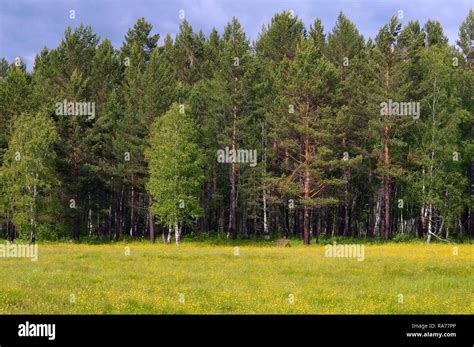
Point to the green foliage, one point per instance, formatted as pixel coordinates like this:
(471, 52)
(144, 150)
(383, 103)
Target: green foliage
(305, 135)
(434, 33)
(279, 39)
(466, 34)
(344, 42)
(140, 37)
(440, 152)
(176, 167)
(27, 174)
(15, 93)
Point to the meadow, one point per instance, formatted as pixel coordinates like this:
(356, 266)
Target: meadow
(200, 278)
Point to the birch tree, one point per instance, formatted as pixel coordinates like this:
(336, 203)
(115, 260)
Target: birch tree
(175, 164)
(27, 174)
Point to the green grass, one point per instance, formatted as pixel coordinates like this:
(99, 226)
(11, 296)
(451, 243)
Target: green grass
(260, 280)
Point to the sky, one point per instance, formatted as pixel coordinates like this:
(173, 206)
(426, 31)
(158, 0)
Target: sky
(26, 26)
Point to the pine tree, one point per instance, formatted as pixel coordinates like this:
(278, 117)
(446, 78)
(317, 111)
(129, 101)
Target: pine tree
(211, 54)
(316, 33)
(64, 74)
(304, 130)
(235, 59)
(187, 55)
(345, 47)
(277, 42)
(3, 67)
(131, 127)
(105, 74)
(434, 33)
(139, 35)
(208, 103)
(386, 58)
(280, 38)
(344, 43)
(466, 34)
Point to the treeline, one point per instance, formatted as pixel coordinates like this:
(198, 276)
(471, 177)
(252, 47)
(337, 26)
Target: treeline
(297, 134)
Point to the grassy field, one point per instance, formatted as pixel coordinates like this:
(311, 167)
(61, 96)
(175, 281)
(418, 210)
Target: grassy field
(200, 278)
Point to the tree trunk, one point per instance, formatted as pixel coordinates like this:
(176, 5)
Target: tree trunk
(307, 186)
(233, 180)
(111, 202)
(120, 225)
(163, 233)
(433, 115)
(371, 210)
(265, 221)
(430, 224)
(132, 208)
(168, 239)
(33, 213)
(318, 223)
(346, 174)
(471, 197)
(89, 215)
(386, 190)
(177, 233)
(151, 220)
(264, 160)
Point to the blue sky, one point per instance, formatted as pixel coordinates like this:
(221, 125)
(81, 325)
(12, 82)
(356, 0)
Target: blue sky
(26, 26)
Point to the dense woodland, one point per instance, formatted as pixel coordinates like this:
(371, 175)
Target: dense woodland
(330, 161)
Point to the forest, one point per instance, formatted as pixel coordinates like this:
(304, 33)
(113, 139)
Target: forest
(303, 133)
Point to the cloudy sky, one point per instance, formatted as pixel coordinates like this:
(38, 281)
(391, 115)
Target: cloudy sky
(26, 26)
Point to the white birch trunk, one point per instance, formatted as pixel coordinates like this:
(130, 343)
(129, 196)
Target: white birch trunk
(176, 233)
(433, 114)
(265, 218)
(430, 211)
(265, 222)
(168, 239)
